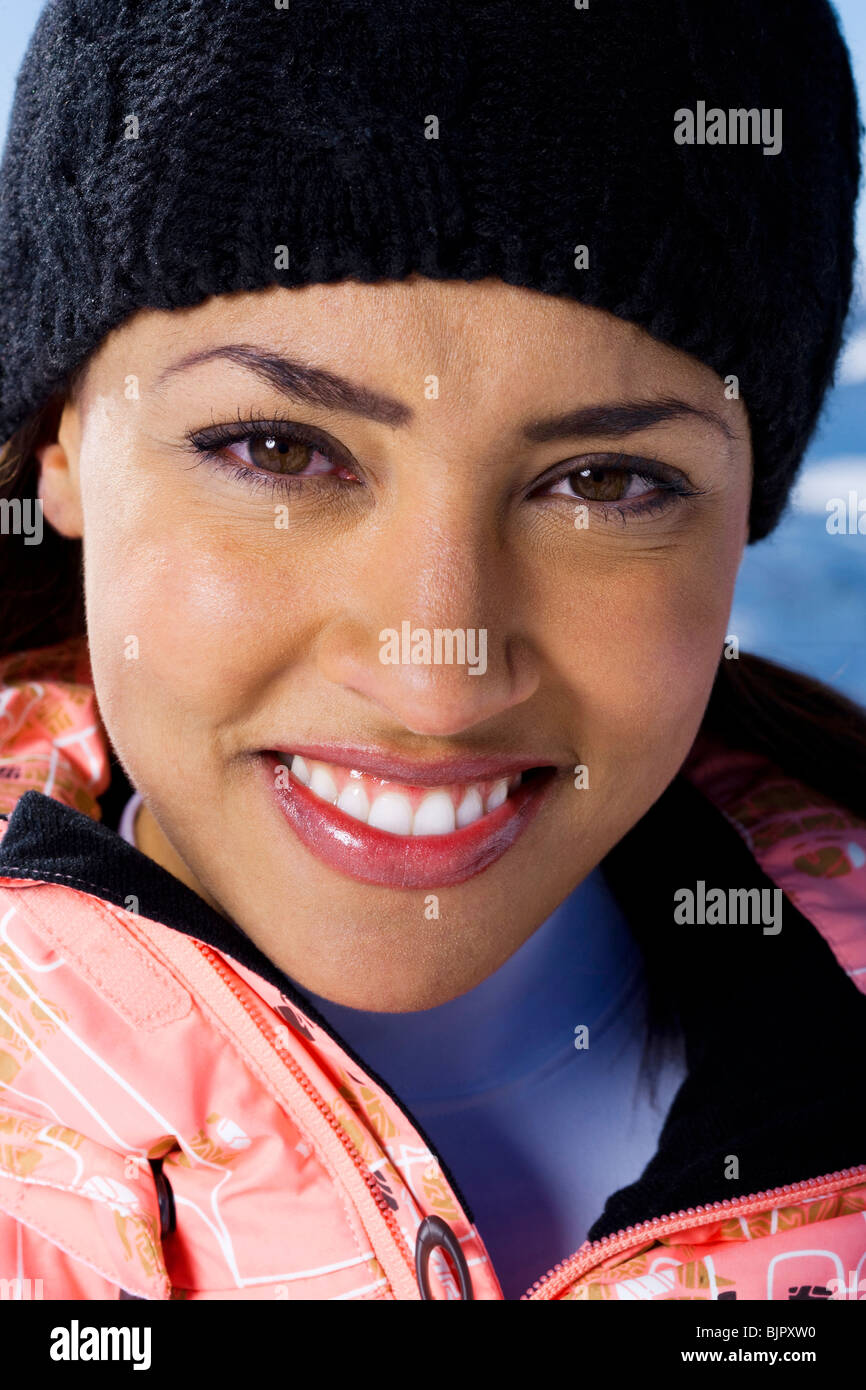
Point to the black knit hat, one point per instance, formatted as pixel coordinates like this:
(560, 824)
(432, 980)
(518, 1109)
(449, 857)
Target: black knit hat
(164, 150)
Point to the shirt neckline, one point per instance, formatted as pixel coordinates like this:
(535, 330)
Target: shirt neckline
(126, 828)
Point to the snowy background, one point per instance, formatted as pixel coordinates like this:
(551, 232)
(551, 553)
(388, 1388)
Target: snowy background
(801, 594)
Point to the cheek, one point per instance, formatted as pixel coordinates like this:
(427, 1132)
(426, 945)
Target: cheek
(191, 613)
(645, 637)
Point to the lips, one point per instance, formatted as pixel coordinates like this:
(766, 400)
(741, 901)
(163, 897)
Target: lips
(398, 824)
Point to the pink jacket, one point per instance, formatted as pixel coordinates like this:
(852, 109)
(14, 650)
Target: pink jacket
(141, 1068)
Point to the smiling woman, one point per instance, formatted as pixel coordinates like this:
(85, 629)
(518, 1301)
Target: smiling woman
(371, 711)
(618, 626)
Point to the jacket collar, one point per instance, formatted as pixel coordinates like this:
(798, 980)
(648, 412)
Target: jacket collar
(770, 1023)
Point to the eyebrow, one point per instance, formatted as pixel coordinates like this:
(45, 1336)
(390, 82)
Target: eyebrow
(621, 418)
(317, 386)
(314, 385)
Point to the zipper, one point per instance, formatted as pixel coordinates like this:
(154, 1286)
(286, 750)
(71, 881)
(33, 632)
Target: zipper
(557, 1280)
(307, 1086)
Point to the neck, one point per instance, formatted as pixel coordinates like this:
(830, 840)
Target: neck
(576, 969)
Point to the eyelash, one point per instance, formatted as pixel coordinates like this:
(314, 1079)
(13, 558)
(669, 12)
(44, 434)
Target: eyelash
(209, 444)
(671, 485)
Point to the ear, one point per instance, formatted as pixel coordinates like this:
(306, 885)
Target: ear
(58, 488)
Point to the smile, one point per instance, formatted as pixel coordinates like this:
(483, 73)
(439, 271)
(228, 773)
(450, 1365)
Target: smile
(404, 825)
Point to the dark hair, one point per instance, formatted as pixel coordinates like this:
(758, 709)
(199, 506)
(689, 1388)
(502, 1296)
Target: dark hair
(805, 728)
(809, 732)
(41, 586)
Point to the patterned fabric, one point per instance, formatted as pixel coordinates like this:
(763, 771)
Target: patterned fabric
(294, 1174)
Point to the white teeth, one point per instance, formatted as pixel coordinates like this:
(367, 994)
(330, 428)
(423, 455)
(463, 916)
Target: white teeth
(497, 794)
(435, 815)
(323, 784)
(354, 801)
(392, 812)
(471, 808)
(300, 770)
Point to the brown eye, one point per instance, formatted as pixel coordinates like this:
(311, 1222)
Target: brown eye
(279, 455)
(603, 484)
(279, 452)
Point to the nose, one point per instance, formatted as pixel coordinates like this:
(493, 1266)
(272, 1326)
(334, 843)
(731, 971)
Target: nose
(433, 634)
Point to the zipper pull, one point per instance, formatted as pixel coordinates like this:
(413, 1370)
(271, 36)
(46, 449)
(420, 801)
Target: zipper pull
(167, 1218)
(433, 1233)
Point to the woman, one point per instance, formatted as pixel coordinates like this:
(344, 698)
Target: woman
(400, 390)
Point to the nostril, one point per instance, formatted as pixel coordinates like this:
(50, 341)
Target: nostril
(434, 1233)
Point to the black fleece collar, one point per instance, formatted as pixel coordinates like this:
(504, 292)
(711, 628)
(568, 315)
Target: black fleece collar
(773, 1027)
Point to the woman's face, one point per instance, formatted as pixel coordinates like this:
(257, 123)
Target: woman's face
(284, 496)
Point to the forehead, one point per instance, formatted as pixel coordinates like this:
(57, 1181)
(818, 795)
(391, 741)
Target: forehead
(482, 339)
